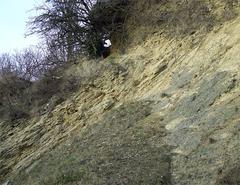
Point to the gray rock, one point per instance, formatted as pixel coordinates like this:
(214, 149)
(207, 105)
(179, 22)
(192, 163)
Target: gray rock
(6, 183)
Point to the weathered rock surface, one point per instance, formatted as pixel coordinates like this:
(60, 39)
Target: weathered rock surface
(161, 114)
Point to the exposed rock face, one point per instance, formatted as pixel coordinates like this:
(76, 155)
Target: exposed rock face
(166, 113)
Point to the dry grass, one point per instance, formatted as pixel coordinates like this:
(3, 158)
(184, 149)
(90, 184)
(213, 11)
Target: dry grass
(178, 19)
(117, 150)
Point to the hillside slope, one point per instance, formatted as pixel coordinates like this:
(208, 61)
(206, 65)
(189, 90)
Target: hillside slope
(166, 112)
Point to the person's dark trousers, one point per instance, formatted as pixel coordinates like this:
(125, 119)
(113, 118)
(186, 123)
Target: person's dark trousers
(106, 52)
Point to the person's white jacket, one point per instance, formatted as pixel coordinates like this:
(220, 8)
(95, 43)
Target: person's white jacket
(107, 43)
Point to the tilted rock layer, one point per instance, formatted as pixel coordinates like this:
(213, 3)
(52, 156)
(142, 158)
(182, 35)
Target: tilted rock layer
(166, 112)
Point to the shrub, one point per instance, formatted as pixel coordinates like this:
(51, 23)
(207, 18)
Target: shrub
(106, 17)
(14, 97)
(110, 16)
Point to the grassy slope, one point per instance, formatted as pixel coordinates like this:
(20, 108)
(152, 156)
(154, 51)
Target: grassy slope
(124, 147)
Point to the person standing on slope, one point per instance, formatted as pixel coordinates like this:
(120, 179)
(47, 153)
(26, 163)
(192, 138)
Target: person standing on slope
(106, 47)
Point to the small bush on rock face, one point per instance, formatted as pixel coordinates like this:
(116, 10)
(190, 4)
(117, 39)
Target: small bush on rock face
(14, 96)
(44, 89)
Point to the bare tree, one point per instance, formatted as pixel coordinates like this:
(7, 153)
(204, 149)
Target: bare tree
(18, 71)
(63, 23)
(76, 26)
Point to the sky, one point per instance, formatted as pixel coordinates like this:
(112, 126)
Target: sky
(13, 17)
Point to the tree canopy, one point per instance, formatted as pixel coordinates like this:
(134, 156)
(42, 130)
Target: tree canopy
(75, 26)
